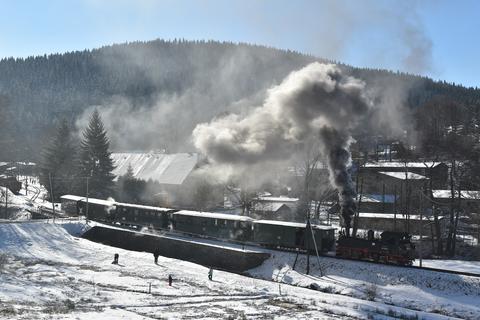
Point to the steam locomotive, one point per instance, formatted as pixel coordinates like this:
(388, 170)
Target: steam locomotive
(391, 247)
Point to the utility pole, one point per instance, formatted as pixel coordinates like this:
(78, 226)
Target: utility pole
(307, 244)
(6, 202)
(421, 228)
(51, 195)
(86, 208)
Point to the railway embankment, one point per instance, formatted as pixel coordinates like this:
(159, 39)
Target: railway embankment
(217, 255)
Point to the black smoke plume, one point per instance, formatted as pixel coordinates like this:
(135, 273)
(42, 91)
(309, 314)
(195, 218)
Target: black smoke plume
(336, 149)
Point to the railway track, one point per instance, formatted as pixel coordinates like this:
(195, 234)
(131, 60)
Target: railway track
(37, 193)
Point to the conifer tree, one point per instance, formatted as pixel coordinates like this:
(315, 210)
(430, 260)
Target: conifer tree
(129, 188)
(58, 163)
(95, 162)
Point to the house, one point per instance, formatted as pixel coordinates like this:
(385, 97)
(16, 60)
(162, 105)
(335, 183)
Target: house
(175, 177)
(403, 186)
(275, 211)
(437, 171)
(277, 208)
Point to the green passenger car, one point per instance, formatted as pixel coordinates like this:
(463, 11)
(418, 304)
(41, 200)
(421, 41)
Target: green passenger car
(283, 234)
(214, 225)
(97, 209)
(133, 214)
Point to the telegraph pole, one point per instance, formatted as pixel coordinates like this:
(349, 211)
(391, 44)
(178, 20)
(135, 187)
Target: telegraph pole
(86, 208)
(307, 227)
(51, 195)
(6, 202)
(421, 229)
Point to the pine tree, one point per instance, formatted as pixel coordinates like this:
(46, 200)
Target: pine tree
(95, 162)
(126, 187)
(58, 163)
(129, 174)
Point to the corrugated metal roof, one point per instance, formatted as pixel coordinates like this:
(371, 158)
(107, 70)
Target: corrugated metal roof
(106, 203)
(72, 197)
(393, 216)
(140, 206)
(403, 176)
(213, 215)
(163, 168)
(276, 199)
(293, 224)
(399, 164)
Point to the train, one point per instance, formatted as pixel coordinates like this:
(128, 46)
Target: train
(218, 226)
(391, 247)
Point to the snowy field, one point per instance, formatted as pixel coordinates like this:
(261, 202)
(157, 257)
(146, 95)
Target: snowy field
(46, 272)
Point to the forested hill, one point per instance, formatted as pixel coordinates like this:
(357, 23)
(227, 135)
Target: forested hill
(186, 82)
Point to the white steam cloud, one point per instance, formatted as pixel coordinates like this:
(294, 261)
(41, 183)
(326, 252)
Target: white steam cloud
(318, 101)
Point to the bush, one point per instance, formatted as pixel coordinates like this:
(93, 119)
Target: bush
(69, 304)
(371, 292)
(3, 260)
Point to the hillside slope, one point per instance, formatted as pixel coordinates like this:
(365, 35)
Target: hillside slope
(185, 82)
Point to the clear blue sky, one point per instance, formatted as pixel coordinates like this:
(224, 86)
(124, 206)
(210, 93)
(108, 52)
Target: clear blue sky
(435, 38)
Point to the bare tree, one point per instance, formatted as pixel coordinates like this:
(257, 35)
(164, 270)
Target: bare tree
(306, 173)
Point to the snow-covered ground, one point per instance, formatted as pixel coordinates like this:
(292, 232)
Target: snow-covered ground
(16, 205)
(46, 271)
(431, 292)
(454, 265)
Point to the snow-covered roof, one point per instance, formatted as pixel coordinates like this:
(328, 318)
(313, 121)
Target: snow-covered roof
(213, 215)
(163, 168)
(112, 203)
(101, 202)
(399, 164)
(292, 224)
(139, 206)
(276, 199)
(270, 207)
(464, 194)
(26, 163)
(274, 207)
(72, 197)
(392, 216)
(377, 198)
(403, 176)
